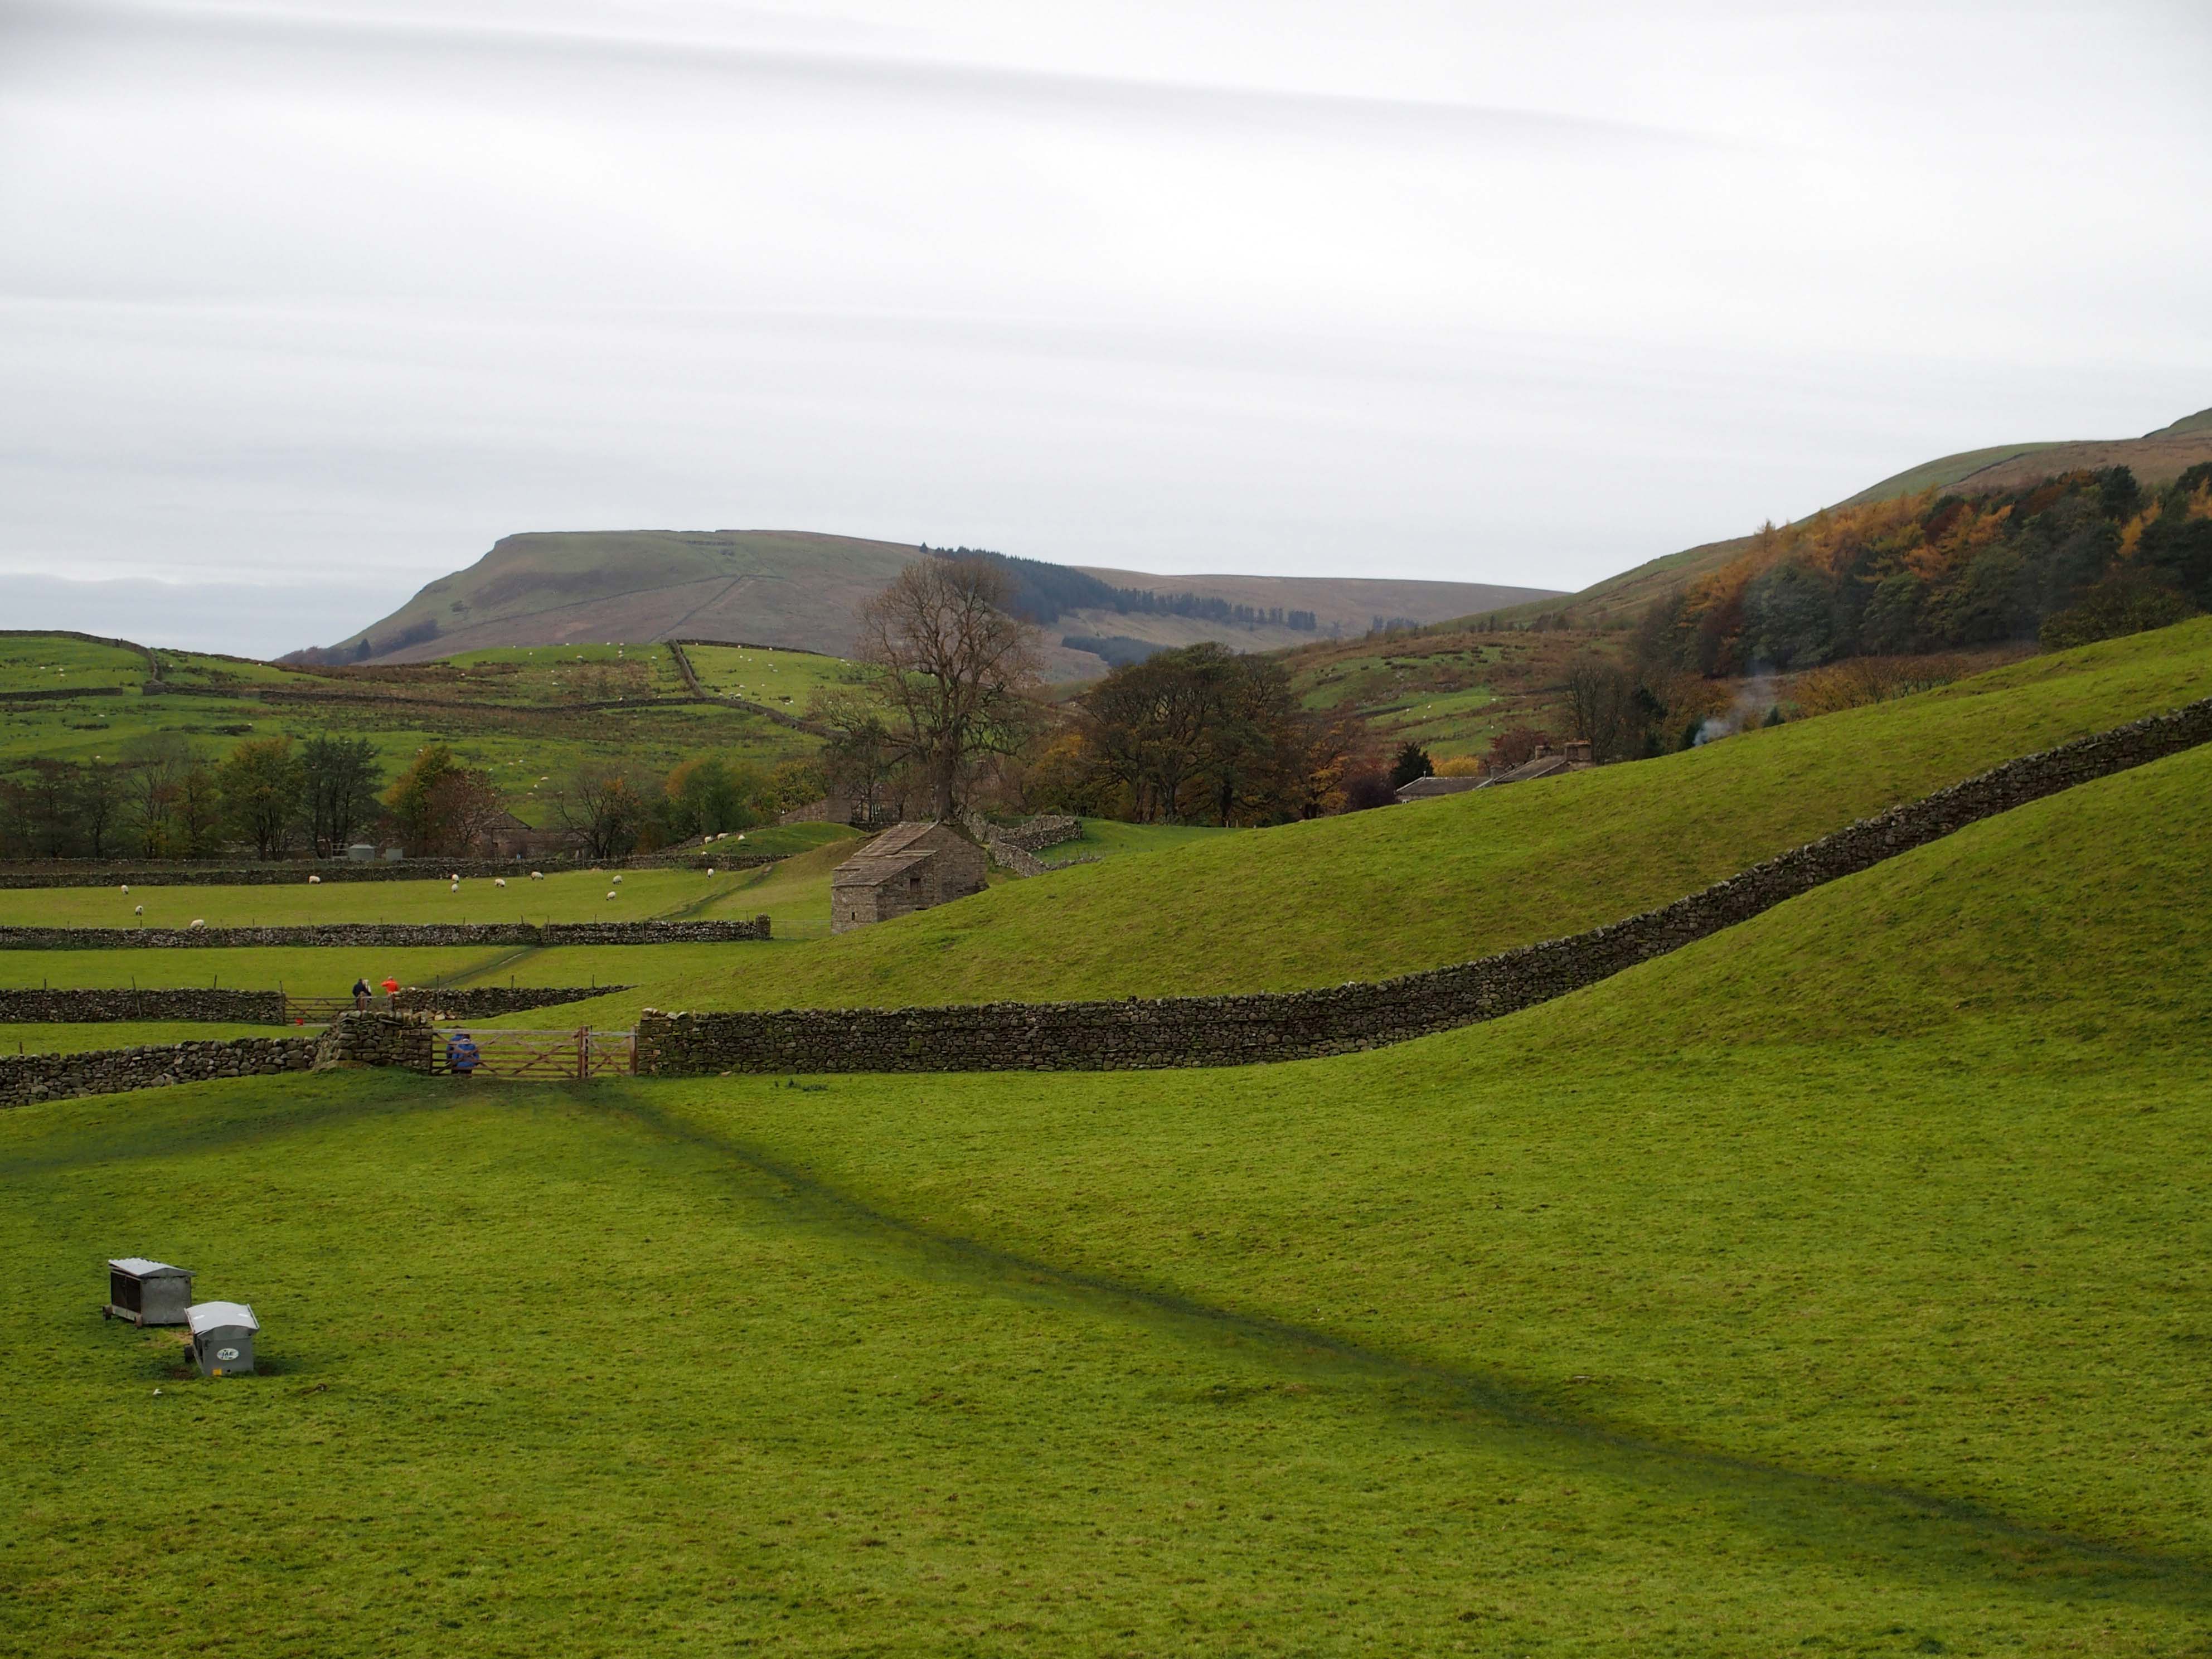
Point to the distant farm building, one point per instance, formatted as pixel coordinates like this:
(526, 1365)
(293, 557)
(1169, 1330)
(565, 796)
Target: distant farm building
(910, 866)
(1546, 762)
(1422, 788)
(507, 836)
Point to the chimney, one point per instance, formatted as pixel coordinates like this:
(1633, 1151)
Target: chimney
(1578, 751)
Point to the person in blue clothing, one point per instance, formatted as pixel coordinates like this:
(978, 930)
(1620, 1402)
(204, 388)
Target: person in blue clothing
(462, 1057)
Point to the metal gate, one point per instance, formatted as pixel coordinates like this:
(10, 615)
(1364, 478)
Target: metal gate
(581, 1053)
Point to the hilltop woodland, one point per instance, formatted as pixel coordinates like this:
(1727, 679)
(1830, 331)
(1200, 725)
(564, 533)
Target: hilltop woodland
(1853, 605)
(2082, 557)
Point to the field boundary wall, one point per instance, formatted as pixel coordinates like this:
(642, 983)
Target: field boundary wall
(385, 935)
(27, 1078)
(354, 1039)
(1236, 1030)
(72, 872)
(208, 1005)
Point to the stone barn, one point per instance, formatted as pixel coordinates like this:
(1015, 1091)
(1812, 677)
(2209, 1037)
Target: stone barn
(910, 866)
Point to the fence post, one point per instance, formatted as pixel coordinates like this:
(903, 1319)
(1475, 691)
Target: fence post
(583, 1052)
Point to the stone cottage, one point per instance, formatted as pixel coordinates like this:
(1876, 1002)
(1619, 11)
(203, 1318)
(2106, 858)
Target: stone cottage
(910, 866)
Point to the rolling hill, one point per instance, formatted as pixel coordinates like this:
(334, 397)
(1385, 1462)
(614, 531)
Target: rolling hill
(802, 589)
(2157, 458)
(1359, 896)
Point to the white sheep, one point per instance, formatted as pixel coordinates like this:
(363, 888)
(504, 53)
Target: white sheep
(314, 881)
(538, 875)
(618, 881)
(710, 869)
(610, 892)
(198, 922)
(137, 909)
(126, 886)
(455, 888)
(499, 881)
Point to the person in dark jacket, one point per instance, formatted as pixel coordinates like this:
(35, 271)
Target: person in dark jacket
(361, 992)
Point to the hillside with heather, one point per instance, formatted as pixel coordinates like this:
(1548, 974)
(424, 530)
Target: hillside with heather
(2157, 462)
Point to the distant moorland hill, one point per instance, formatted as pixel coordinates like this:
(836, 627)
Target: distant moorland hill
(802, 589)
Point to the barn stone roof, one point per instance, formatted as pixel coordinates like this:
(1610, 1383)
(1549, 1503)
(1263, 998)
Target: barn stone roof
(893, 852)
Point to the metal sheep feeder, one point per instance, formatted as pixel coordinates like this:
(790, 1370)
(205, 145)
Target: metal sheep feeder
(147, 1292)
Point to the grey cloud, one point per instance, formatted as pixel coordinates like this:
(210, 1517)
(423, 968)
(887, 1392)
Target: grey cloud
(489, 54)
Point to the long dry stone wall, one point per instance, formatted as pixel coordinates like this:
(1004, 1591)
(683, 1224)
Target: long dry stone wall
(354, 1039)
(46, 1007)
(62, 1007)
(380, 934)
(1236, 1030)
(28, 1078)
(74, 872)
(483, 1002)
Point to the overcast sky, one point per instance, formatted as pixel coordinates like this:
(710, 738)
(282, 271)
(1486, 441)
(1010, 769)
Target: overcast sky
(302, 304)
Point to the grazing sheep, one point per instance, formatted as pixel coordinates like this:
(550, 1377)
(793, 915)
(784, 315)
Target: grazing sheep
(198, 922)
(610, 892)
(499, 881)
(126, 886)
(455, 888)
(137, 909)
(618, 881)
(314, 881)
(710, 869)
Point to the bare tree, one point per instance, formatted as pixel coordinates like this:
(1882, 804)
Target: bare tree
(600, 808)
(954, 664)
(465, 804)
(1610, 707)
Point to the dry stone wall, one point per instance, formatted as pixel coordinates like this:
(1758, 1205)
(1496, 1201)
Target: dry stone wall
(48, 1007)
(483, 1002)
(82, 872)
(28, 1078)
(384, 934)
(64, 1007)
(377, 1038)
(1236, 1030)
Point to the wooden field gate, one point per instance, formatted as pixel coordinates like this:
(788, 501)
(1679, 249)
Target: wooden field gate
(582, 1053)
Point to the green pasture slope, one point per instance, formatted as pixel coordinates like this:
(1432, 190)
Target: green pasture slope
(504, 710)
(794, 894)
(1411, 887)
(1834, 1285)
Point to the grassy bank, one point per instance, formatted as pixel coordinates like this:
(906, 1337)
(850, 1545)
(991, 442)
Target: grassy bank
(1406, 888)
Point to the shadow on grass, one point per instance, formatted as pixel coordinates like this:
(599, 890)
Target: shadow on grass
(1892, 1528)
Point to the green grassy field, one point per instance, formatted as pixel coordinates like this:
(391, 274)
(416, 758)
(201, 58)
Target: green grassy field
(1833, 1285)
(505, 711)
(1445, 880)
(793, 893)
(777, 677)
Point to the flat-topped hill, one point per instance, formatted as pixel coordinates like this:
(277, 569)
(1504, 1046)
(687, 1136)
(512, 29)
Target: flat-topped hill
(804, 590)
